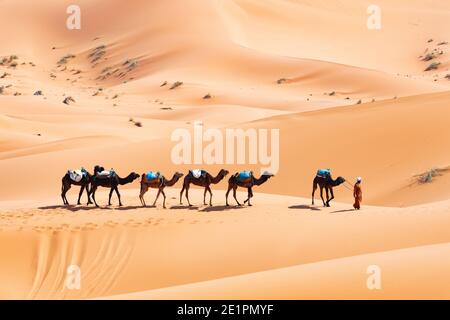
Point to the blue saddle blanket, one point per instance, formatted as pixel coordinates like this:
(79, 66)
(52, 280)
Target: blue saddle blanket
(324, 173)
(152, 175)
(244, 175)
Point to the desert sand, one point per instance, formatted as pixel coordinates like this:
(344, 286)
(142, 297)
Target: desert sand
(343, 97)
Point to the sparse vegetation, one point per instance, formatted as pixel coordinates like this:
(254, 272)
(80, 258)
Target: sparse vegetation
(448, 76)
(38, 93)
(428, 176)
(281, 81)
(208, 96)
(443, 43)
(66, 59)
(176, 85)
(433, 66)
(332, 93)
(359, 102)
(68, 100)
(136, 123)
(163, 84)
(2, 89)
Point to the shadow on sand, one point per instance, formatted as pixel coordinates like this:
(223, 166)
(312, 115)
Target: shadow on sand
(73, 208)
(220, 208)
(180, 207)
(342, 211)
(304, 207)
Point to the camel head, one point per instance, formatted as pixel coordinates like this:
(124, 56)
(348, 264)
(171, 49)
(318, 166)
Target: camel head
(178, 175)
(223, 173)
(267, 174)
(134, 176)
(339, 181)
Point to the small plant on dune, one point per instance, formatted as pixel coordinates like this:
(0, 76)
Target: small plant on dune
(443, 43)
(66, 59)
(208, 96)
(359, 102)
(176, 85)
(428, 176)
(2, 89)
(138, 124)
(68, 100)
(448, 76)
(163, 84)
(332, 93)
(281, 81)
(428, 57)
(38, 93)
(433, 66)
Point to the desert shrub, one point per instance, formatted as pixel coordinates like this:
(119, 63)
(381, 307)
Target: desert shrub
(176, 85)
(433, 66)
(428, 176)
(208, 96)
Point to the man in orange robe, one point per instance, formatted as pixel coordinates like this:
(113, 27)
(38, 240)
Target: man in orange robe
(357, 193)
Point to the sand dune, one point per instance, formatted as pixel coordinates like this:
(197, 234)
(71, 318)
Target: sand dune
(356, 100)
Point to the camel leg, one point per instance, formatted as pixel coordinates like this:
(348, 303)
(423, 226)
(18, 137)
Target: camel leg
(204, 195)
(250, 195)
(321, 196)
(332, 196)
(118, 195)
(181, 194)
(164, 195)
(80, 194)
(157, 196)
(210, 196)
(64, 190)
(144, 189)
(226, 195)
(234, 195)
(314, 191)
(187, 196)
(88, 190)
(94, 189)
(328, 196)
(110, 195)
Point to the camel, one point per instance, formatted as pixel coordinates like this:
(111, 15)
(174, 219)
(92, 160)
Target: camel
(205, 180)
(159, 183)
(328, 183)
(67, 183)
(111, 181)
(234, 182)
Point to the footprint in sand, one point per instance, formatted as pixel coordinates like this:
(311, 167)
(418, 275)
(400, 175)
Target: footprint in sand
(111, 223)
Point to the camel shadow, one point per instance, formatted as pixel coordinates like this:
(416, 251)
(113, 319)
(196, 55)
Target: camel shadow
(305, 207)
(342, 211)
(73, 208)
(180, 207)
(220, 208)
(125, 208)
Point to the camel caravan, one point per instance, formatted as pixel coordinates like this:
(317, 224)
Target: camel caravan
(155, 180)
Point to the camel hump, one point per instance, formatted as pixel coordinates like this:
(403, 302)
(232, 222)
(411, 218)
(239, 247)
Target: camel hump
(324, 173)
(244, 176)
(197, 173)
(151, 175)
(77, 175)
